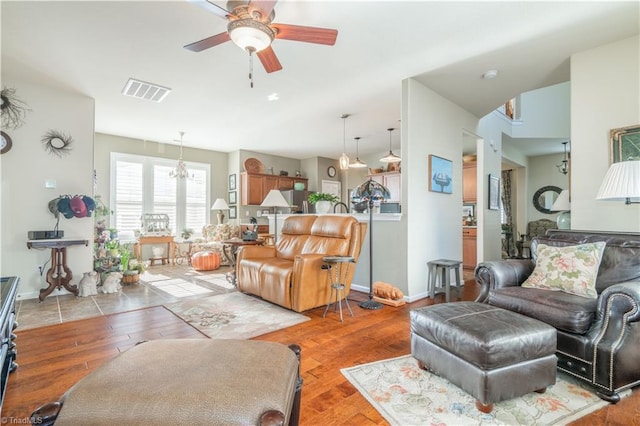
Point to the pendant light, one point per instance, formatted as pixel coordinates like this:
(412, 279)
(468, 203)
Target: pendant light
(563, 167)
(344, 158)
(181, 171)
(357, 164)
(390, 157)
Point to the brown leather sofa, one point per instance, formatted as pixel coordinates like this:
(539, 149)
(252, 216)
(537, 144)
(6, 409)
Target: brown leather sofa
(598, 339)
(290, 273)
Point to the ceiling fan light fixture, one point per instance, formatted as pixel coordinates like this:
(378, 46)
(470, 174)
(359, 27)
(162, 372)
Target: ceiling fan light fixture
(390, 157)
(250, 35)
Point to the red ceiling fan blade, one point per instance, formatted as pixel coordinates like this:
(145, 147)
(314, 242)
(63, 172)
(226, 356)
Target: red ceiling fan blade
(265, 6)
(212, 7)
(269, 60)
(306, 34)
(208, 42)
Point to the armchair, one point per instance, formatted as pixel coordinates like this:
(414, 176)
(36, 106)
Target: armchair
(535, 228)
(290, 273)
(212, 238)
(598, 339)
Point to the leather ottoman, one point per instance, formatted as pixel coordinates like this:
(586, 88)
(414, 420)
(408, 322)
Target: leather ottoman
(491, 353)
(205, 261)
(186, 382)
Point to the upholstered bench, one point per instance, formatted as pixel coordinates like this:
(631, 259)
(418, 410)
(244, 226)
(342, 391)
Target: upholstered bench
(491, 353)
(187, 382)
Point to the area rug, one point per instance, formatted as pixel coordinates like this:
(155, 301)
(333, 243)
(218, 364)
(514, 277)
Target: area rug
(404, 394)
(234, 316)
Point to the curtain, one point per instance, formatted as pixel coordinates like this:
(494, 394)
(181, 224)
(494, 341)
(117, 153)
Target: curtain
(508, 225)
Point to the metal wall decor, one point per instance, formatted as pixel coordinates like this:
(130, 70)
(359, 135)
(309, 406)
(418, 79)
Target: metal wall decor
(12, 110)
(56, 143)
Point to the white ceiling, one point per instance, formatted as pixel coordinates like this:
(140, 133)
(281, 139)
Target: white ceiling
(93, 47)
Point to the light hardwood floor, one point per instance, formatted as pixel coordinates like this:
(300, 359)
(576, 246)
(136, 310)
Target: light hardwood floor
(54, 357)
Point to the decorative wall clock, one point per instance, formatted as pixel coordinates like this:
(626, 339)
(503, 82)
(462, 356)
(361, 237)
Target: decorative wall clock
(5, 143)
(331, 171)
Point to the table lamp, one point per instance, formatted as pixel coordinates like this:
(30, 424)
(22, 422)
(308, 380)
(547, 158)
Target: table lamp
(220, 204)
(622, 182)
(563, 205)
(275, 199)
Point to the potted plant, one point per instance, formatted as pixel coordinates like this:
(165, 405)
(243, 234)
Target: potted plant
(322, 200)
(112, 246)
(186, 233)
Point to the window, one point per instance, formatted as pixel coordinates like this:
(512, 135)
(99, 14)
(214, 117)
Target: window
(142, 185)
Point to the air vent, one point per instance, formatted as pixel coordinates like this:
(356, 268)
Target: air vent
(143, 90)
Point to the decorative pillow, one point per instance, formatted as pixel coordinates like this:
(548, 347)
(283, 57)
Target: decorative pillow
(572, 269)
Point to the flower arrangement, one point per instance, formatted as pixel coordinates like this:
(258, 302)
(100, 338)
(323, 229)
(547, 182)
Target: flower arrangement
(314, 197)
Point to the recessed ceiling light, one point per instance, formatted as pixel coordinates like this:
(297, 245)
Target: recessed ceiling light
(490, 74)
(273, 97)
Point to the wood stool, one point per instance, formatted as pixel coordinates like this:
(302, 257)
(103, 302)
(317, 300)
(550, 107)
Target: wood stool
(205, 261)
(443, 267)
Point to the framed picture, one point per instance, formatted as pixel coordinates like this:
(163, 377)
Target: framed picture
(232, 182)
(494, 192)
(233, 213)
(233, 197)
(467, 210)
(440, 174)
(625, 144)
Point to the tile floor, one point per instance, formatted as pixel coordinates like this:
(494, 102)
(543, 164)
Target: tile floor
(57, 309)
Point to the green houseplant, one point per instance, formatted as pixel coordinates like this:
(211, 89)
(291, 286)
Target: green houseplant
(323, 201)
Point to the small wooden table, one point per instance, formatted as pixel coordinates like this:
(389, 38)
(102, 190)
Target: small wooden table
(155, 239)
(230, 251)
(59, 274)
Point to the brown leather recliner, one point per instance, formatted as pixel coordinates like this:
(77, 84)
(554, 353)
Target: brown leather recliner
(598, 339)
(290, 273)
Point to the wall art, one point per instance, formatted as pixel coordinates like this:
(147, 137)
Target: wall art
(440, 174)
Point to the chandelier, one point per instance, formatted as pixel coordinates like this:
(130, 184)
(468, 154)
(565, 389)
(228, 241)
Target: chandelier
(181, 171)
(563, 167)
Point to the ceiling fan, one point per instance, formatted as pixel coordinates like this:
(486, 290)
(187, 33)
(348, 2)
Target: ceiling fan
(250, 27)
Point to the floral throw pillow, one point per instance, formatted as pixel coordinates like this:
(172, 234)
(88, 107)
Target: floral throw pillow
(572, 269)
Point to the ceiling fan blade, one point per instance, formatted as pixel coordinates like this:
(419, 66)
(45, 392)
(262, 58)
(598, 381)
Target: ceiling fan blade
(269, 60)
(306, 34)
(212, 7)
(265, 6)
(208, 42)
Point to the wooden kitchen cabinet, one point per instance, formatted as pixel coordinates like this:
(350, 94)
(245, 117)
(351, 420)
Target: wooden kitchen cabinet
(469, 182)
(469, 248)
(255, 186)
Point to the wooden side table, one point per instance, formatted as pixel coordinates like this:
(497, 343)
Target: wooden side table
(230, 251)
(155, 239)
(59, 274)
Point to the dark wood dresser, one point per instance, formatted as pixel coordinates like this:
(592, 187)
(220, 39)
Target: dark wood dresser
(8, 291)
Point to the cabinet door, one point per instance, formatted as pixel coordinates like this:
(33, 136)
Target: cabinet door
(469, 248)
(251, 189)
(469, 185)
(393, 183)
(284, 183)
(268, 183)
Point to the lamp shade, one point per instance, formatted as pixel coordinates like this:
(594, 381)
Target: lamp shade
(220, 204)
(274, 199)
(562, 203)
(249, 34)
(622, 182)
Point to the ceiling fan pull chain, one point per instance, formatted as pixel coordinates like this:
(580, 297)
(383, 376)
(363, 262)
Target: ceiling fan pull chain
(250, 67)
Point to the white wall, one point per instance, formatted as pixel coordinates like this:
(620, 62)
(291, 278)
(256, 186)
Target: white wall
(542, 118)
(431, 221)
(24, 197)
(605, 95)
(542, 171)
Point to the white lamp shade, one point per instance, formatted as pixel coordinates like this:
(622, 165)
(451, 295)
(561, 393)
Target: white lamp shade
(562, 203)
(220, 204)
(249, 34)
(274, 199)
(622, 181)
